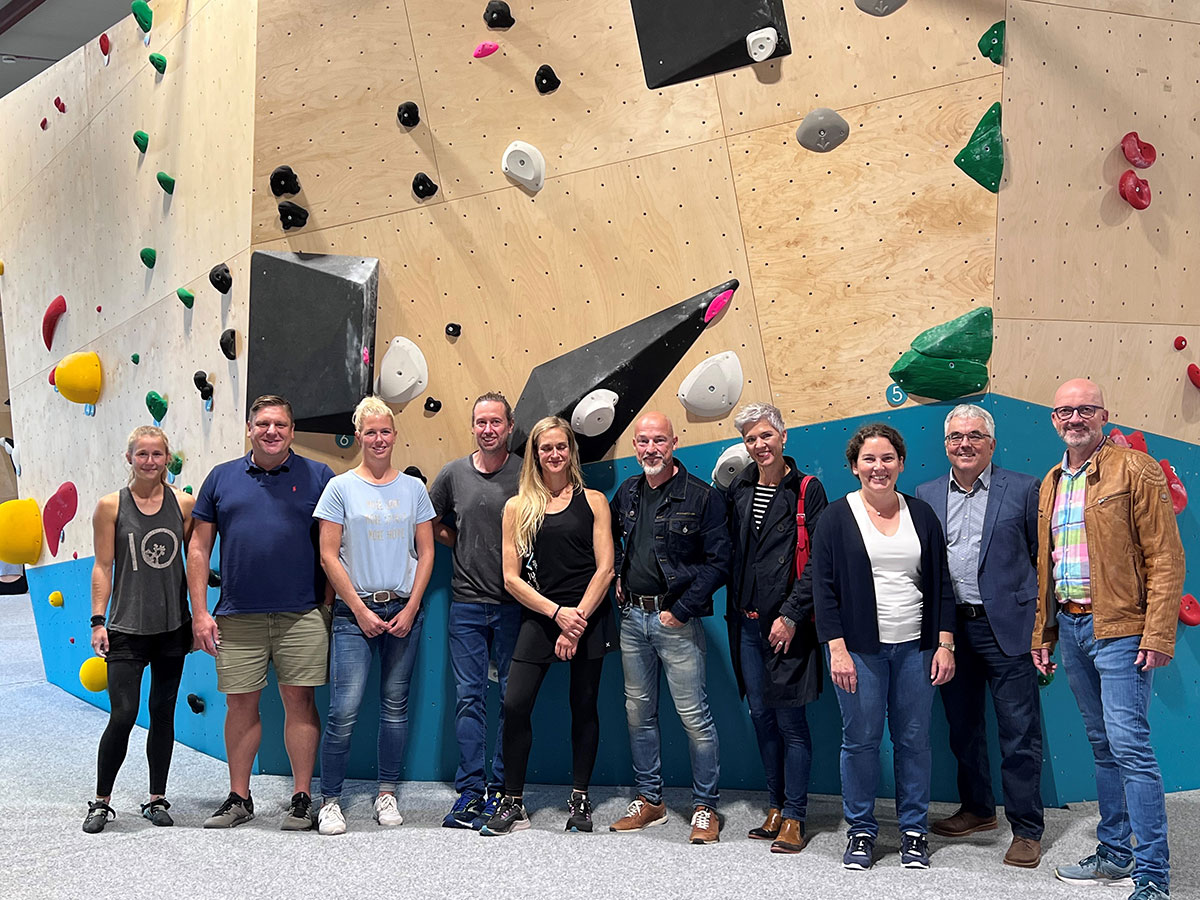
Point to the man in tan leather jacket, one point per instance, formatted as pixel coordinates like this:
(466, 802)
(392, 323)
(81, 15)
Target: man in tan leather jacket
(1110, 574)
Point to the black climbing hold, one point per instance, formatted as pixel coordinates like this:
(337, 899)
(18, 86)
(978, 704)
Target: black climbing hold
(416, 473)
(219, 277)
(196, 703)
(284, 181)
(498, 15)
(214, 578)
(229, 343)
(409, 114)
(546, 81)
(292, 215)
(453, 329)
(200, 379)
(423, 186)
(432, 405)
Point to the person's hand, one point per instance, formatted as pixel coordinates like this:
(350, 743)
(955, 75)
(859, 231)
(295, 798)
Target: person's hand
(667, 620)
(205, 634)
(1146, 659)
(1042, 661)
(620, 594)
(369, 623)
(100, 640)
(781, 636)
(564, 647)
(842, 670)
(401, 623)
(570, 621)
(942, 669)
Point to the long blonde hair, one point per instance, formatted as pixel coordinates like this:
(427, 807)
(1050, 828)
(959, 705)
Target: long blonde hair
(533, 495)
(147, 431)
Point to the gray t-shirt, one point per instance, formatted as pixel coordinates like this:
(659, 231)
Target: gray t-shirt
(472, 502)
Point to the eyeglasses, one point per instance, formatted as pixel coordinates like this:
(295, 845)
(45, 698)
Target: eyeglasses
(1064, 413)
(974, 437)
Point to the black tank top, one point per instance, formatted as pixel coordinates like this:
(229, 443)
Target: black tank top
(563, 559)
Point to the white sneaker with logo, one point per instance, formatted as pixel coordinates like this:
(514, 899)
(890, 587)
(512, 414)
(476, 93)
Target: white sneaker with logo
(386, 812)
(330, 819)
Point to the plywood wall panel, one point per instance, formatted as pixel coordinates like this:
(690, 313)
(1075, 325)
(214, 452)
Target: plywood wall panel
(843, 57)
(1175, 10)
(129, 55)
(852, 253)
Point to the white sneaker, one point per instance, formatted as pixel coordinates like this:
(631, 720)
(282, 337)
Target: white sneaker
(330, 819)
(386, 812)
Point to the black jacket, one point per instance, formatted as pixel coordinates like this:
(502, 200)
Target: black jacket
(764, 579)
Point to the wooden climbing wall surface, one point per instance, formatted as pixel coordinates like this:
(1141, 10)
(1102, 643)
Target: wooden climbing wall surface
(8, 478)
(1070, 252)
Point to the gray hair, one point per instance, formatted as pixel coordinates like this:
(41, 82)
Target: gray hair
(971, 411)
(753, 412)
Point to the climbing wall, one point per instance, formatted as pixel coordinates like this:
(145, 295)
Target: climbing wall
(8, 476)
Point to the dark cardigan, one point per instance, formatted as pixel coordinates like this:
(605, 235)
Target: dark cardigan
(844, 590)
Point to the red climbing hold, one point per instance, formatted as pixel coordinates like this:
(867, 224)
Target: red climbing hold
(105, 45)
(97, 309)
(719, 302)
(1178, 491)
(1118, 438)
(1135, 191)
(52, 371)
(1194, 374)
(487, 48)
(45, 124)
(59, 105)
(60, 509)
(1189, 610)
(50, 317)
(1137, 441)
(1180, 342)
(1140, 154)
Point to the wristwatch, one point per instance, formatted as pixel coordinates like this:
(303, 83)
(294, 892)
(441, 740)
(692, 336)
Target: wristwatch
(786, 620)
(97, 621)
(949, 645)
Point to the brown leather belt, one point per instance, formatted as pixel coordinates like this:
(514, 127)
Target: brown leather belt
(648, 602)
(382, 597)
(1076, 609)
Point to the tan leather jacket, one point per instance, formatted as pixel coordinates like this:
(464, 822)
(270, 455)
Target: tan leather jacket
(1135, 555)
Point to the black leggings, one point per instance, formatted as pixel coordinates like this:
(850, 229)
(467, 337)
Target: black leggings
(124, 694)
(524, 682)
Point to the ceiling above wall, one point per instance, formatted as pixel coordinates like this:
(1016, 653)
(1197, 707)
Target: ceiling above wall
(35, 34)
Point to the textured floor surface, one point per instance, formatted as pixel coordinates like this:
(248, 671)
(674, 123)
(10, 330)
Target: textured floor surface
(48, 742)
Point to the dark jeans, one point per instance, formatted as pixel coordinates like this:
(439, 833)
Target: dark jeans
(1013, 682)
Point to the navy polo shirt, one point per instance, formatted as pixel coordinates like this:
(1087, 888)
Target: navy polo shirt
(270, 562)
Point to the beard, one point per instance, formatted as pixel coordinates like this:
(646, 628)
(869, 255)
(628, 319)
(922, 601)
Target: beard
(653, 470)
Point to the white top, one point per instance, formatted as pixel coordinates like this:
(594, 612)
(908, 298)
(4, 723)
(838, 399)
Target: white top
(896, 571)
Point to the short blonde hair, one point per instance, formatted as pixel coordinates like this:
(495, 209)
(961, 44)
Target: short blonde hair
(371, 406)
(147, 431)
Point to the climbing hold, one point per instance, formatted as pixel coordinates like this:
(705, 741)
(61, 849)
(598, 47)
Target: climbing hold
(143, 14)
(1, 267)
(196, 703)
(292, 215)
(1140, 154)
(105, 44)
(983, 157)
(761, 43)
(157, 404)
(487, 48)
(159, 62)
(408, 114)
(1118, 437)
(525, 165)
(1179, 496)
(166, 182)
(1137, 441)
(453, 329)
(545, 80)
(595, 412)
(98, 308)
(423, 186)
(414, 472)
(718, 304)
(50, 318)
(991, 44)
(60, 509)
(1189, 610)
(20, 532)
(149, 257)
(175, 465)
(968, 336)
(879, 8)
(200, 379)
(822, 130)
(432, 405)
(14, 453)
(89, 409)
(732, 461)
(45, 124)
(403, 372)
(186, 297)
(56, 598)
(50, 378)
(135, 358)
(141, 140)
(713, 387)
(93, 674)
(1133, 190)
(1180, 342)
(59, 105)
(187, 489)
(219, 277)
(229, 343)
(78, 377)
(1193, 374)
(498, 15)
(284, 181)
(941, 379)
(1044, 679)
(214, 578)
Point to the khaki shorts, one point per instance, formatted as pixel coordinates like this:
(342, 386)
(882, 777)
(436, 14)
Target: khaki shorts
(297, 643)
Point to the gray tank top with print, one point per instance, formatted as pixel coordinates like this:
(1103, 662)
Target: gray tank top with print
(149, 588)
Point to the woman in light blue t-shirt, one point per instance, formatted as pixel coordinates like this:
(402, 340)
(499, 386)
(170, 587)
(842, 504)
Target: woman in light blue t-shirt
(377, 549)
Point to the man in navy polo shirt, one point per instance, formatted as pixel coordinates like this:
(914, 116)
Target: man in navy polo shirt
(272, 607)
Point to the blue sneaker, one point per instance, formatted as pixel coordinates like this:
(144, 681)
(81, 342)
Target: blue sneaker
(1099, 868)
(860, 852)
(465, 811)
(490, 807)
(914, 850)
(1147, 890)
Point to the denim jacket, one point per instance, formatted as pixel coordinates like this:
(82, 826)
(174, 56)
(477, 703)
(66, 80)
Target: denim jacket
(691, 541)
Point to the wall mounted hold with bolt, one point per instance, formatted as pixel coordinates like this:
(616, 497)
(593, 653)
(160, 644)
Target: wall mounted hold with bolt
(594, 413)
(1133, 190)
(186, 297)
(423, 186)
(166, 182)
(408, 114)
(879, 8)
(220, 278)
(546, 80)
(525, 165)
(60, 509)
(20, 532)
(142, 14)
(822, 130)
(203, 385)
(403, 372)
(498, 15)
(991, 44)
(432, 405)
(484, 49)
(713, 387)
(79, 376)
(50, 318)
(453, 329)
(141, 140)
(284, 181)
(228, 343)
(159, 62)
(148, 256)
(1141, 155)
(761, 43)
(730, 463)
(292, 215)
(983, 157)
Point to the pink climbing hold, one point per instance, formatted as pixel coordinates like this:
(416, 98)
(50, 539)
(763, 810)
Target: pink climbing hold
(105, 44)
(1194, 374)
(1178, 491)
(60, 509)
(50, 318)
(1180, 342)
(366, 356)
(487, 48)
(1140, 154)
(719, 302)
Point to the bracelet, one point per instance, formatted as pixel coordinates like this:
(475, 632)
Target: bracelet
(97, 621)
(557, 610)
(946, 645)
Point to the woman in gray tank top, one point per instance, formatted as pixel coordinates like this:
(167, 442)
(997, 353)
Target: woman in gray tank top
(140, 535)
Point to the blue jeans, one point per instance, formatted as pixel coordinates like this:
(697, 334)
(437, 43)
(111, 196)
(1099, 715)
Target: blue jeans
(784, 740)
(479, 632)
(649, 648)
(349, 664)
(893, 684)
(1129, 785)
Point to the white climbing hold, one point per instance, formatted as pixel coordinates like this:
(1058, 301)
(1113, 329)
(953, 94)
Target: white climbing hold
(594, 413)
(525, 165)
(403, 372)
(762, 43)
(714, 386)
(730, 464)
(14, 451)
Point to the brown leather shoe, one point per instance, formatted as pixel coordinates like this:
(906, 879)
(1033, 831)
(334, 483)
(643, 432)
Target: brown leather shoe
(963, 823)
(791, 837)
(1024, 852)
(706, 826)
(768, 830)
(640, 814)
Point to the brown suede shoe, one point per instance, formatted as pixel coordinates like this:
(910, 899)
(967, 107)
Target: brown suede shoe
(1024, 852)
(768, 830)
(641, 814)
(963, 823)
(791, 837)
(706, 826)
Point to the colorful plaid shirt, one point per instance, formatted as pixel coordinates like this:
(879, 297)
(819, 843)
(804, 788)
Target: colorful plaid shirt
(1072, 576)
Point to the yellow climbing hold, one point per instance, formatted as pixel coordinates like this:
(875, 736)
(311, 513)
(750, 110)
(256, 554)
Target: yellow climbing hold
(93, 674)
(20, 532)
(78, 377)
(56, 598)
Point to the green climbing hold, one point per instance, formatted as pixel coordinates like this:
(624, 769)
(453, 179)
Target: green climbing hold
(187, 489)
(940, 379)
(149, 257)
(991, 44)
(967, 337)
(166, 182)
(157, 404)
(135, 358)
(175, 466)
(143, 13)
(983, 157)
(159, 62)
(141, 140)
(186, 297)
(1044, 680)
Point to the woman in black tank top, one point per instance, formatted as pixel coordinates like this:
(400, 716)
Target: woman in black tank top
(558, 562)
(140, 537)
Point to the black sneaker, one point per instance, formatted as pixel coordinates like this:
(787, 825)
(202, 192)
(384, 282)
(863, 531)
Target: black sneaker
(234, 811)
(156, 812)
(299, 817)
(97, 817)
(914, 850)
(580, 809)
(509, 817)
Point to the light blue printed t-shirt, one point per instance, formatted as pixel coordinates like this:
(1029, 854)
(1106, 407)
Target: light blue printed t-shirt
(378, 522)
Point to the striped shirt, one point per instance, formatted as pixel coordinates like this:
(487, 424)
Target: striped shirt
(1069, 553)
(762, 499)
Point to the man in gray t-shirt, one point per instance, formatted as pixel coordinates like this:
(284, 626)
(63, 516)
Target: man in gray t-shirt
(468, 497)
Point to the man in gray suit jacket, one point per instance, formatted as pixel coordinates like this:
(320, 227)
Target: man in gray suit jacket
(990, 517)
